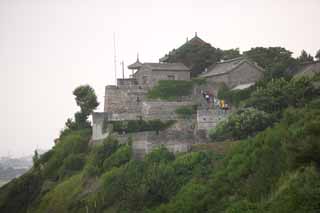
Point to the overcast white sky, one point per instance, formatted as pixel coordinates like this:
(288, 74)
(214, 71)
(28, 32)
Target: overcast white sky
(49, 47)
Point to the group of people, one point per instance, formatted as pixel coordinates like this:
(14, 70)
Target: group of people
(214, 102)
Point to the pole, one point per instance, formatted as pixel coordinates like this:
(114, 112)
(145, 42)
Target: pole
(115, 58)
(122, 63)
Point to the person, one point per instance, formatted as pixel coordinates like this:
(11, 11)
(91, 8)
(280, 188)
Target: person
(221, 104)
(208, 98)
(226, 107)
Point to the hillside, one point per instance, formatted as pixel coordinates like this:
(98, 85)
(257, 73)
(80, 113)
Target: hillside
(273, 166)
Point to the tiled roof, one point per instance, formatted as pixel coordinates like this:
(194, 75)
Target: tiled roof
(309, 69)
(135, 65)
(227, 66)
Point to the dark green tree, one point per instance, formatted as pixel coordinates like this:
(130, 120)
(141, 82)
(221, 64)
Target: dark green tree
(35, 159)
(275, 60)
(196, 54)
(86, 99)
(230, 54)
(305, 57)
(317, 56)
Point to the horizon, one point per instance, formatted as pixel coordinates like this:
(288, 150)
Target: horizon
(48, 48)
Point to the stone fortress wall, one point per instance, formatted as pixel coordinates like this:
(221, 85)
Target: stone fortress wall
(127, 101)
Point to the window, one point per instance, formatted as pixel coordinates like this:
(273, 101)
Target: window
(171, 77)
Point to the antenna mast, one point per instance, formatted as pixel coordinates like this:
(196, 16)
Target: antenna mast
(122, 63)
(115, 58)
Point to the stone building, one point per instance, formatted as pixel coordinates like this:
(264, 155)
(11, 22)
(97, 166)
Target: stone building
(234, 72)
(308, 69)
(148, 74)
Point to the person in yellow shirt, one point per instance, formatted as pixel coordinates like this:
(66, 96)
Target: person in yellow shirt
(221, 104)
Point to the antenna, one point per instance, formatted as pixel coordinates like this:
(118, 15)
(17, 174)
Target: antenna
(115, 57)
(122, 63)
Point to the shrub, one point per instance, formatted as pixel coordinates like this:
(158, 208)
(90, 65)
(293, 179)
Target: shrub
(235, 97)
(98, 154)
(72, 164)
(242, 124)
(302, 144)
(138, 125)
(120, 157)
(158, 155)
(173, 90)
(279, 94)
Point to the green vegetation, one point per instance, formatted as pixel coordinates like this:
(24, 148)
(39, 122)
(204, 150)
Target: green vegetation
(241, 124)
(274, 167)
(130, 126)
(277, 95)
(171, 90)
(186, 112)
(305, 57)
(235, 97)
(275, 60)
(274, 171)
(86, 99)
(196, 55)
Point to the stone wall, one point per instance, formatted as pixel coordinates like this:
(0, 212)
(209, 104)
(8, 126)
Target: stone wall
(150, 77)
(218, 79)
(97, 126)
(124, 99)
(245, 73)
(174, 141)
(127, 82)
(207, 119)
(166, 75)
(163, 110)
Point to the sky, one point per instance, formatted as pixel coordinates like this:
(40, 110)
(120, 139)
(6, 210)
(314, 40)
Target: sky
(49, 47)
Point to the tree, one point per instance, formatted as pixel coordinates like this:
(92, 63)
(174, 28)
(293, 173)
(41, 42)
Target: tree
(197, 55)
(35, 159)
(230, 54)
(318, 55)
(275, 60)
(305, 57)
(86, 99)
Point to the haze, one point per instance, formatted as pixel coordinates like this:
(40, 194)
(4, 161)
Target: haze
(49, 47)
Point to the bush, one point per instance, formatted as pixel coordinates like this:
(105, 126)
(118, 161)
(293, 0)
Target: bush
(235, 97)
(98, 155)
(279, 94)
(75, 142)
(302, 144)
(138, 125)
(242, 124)
(172, 90)
(297, 192)
(72, 164)
(120, 157)
(159, 155)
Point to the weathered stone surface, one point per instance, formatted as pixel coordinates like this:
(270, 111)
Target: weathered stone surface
(124, 99)
(161, 109)
(207, 119)
(97, 126)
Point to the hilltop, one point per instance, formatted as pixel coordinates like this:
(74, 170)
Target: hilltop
(261, 156)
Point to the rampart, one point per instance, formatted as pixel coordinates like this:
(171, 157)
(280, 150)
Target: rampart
(124, 99)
